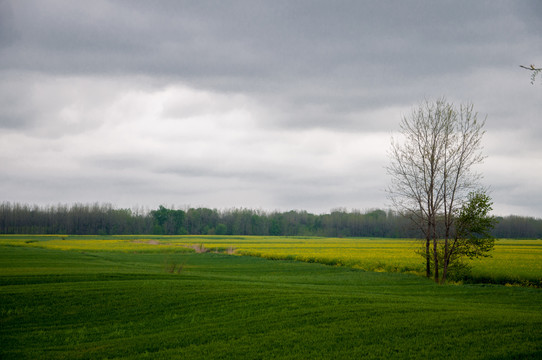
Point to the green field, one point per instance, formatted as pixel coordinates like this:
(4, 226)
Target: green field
(155, 298)
(512, 261)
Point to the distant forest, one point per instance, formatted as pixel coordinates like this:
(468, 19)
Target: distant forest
(104, 219)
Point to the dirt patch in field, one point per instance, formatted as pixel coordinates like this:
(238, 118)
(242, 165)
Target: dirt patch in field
(152, 242)
(198, 248)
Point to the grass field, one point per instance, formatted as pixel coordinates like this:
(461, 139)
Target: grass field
(130, 302)
(512, 262)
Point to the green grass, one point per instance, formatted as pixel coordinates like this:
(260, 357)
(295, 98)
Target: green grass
(516, 262)
(58, 304)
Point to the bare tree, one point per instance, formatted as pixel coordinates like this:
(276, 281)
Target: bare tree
(431, 171)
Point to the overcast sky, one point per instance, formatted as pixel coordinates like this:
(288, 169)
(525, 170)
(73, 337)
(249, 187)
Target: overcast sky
(272, 105)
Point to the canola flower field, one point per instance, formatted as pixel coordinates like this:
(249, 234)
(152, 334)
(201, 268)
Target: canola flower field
(512, 261)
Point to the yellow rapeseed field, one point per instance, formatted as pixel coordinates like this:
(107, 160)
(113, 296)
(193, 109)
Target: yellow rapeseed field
(512, 259)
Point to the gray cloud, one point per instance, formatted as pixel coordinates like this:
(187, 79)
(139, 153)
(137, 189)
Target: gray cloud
(268, 104)
(253, 41)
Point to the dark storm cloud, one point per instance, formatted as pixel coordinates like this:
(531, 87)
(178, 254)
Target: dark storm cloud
(301, 54)
(246, 44)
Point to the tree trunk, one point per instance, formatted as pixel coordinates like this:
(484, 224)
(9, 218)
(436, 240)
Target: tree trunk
(428, 257)
(444, 270)
(445, 260)
(435, 258)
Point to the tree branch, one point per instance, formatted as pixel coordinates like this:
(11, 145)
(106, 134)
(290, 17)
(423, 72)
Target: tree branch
(535, 71)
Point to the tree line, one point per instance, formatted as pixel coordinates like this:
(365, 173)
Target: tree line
(104, 219)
